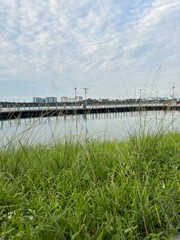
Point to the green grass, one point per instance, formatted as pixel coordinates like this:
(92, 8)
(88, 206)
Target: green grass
(97, 190)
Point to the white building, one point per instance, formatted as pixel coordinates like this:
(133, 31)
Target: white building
(71, 100)
(78, 99)
(64, 99)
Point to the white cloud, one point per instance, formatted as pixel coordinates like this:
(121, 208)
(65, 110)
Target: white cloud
(93, 37)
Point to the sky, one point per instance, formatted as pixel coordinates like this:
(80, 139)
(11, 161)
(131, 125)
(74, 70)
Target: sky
(113, 47)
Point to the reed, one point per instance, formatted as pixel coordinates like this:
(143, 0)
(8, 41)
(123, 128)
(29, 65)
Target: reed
(96, 190)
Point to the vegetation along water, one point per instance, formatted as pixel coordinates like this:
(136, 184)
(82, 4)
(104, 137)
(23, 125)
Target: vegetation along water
(120, 189)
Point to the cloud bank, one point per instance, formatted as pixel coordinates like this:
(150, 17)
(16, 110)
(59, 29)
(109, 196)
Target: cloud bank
(110, 46)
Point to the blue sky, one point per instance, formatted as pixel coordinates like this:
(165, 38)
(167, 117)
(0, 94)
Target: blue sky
(113, 47)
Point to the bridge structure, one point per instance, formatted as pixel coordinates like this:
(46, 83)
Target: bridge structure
(37, 112)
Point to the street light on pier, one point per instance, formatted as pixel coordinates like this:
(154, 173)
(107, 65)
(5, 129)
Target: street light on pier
(75, 95)
(85, 92)
(156, 97)
(140, 95)
(173, 95)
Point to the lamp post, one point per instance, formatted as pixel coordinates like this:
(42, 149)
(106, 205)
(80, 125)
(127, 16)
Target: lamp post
(173, 95)
(140, 96)
(156, 98)
(85, 92)
(75, 96)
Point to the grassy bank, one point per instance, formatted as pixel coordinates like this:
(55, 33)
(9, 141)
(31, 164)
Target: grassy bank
(110, 190)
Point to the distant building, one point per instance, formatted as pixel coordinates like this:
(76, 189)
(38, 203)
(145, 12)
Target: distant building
(45, 100)
(71, 100)
(78, 99)
(64, 99)
(38, 100)
(51, 100)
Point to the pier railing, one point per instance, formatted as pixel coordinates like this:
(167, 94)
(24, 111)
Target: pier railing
(35, 112)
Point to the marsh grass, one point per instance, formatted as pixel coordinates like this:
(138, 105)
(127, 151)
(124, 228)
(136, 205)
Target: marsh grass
(92, 190)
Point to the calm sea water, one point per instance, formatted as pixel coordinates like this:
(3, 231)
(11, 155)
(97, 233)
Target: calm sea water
(111, 126)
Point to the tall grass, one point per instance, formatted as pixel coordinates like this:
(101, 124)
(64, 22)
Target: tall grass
(97, 190)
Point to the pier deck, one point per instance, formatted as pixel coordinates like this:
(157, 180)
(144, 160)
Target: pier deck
(53, 111)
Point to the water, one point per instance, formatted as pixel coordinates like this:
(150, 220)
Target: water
(111, 126)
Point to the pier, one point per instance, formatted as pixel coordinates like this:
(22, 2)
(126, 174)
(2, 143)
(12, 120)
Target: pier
(6, 114)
